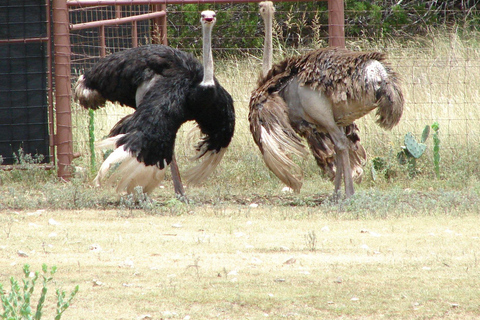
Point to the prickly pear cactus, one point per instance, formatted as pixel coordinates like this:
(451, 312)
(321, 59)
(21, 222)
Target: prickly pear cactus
(415, 148)
(425, 133)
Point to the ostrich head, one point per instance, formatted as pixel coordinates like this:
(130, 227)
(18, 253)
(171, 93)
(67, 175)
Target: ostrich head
(208, 18)
(266, 9)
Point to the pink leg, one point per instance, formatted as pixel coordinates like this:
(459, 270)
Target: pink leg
(177, 180)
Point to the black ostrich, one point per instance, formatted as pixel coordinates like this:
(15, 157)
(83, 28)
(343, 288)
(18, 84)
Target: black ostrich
(167, 87)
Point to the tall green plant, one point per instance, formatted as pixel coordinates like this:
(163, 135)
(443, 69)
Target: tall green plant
(17, 304)
(91, 139)
(436, 149)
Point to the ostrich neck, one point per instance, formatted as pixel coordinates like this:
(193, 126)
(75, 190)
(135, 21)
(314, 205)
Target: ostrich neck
(207, 57)
(267, 45)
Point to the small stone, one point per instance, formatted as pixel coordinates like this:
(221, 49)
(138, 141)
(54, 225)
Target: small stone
(52, 222)
(22, 254)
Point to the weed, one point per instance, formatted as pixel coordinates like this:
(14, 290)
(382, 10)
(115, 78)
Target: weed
(436, 149)
(17, 304)
(311, 240)
(91, 139)
(8, 223)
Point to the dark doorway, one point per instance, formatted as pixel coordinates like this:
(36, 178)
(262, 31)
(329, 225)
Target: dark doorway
(23, 80)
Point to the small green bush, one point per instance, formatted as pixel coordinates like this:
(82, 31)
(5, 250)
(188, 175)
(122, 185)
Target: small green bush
(17, 304)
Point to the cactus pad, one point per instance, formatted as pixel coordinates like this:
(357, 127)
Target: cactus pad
(415, 148)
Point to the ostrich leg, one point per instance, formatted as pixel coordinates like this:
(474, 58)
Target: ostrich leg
(342, 163)
(343, 168)
(177, 180)
(314, 106)
(339, 173)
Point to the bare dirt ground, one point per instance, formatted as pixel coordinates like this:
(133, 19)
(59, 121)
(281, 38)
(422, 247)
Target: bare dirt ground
(248, 262)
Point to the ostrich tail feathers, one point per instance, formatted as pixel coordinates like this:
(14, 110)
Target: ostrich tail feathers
(194, 134)
(277, 148)
(88, 98)
(129, 174)
(358, 159)
(323, 150)
(109, 143)
(210, 160)
(357, 153)
(117, 156)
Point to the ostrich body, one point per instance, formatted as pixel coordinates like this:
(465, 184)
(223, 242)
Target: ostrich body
(318, 96)
(320, 143)
(124, 77)
(167, 87)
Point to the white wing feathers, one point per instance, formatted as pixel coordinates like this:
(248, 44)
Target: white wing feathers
(130, 173)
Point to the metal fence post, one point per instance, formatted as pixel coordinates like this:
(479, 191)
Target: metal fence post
(336, 23)
(63, 136)
(159, 34)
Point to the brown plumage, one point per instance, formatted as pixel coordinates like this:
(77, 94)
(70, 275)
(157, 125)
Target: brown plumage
(318, 96)
(321, 144)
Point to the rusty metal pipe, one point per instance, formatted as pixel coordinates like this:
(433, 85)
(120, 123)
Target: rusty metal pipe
(110, 22)
(336, 23)
(27, 40)
(87, 3)
(63, 137)
(51, 118)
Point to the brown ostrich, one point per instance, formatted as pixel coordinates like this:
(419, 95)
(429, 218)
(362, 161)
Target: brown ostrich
(267, 10)
(318, 96)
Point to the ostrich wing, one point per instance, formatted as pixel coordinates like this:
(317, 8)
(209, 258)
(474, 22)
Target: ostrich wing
(118, 76)
(144, 141)
(323, 149)
(276, 138)
(150, 132)
(216, 121)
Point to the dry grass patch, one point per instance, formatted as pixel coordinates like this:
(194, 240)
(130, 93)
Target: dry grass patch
(440, 83)
(242, 262)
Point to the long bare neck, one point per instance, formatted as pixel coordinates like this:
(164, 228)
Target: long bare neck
(207, 56)
(267, 43)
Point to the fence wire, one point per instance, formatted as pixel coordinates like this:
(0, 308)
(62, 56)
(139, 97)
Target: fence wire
(439, 67)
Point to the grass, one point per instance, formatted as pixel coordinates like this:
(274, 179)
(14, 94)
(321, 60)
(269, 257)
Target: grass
(401, 248)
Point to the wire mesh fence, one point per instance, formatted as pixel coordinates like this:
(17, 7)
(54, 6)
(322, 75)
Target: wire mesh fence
(438, 63)
(24, 121)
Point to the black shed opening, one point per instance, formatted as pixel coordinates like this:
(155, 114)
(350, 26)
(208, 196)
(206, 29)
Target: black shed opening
(24, 121)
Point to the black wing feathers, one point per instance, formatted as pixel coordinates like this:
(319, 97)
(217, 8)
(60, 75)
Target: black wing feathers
(215, 116)
(118, 75)
(150, 131)
(174, 97)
